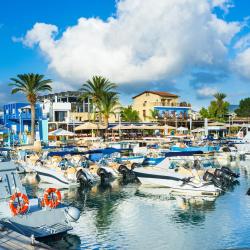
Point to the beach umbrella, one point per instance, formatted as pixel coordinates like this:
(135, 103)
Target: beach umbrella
(216, 124)
(198, 130)
(89, 126)
(61, 132)
(182, 129)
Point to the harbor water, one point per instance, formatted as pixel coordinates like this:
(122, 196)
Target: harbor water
(127, 216)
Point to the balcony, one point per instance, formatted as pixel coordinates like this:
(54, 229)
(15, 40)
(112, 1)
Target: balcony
(169, 104)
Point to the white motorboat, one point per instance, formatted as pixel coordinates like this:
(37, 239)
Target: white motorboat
(184, 180)
(61, 172)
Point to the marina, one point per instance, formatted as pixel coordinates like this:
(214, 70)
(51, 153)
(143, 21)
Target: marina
(125, 124)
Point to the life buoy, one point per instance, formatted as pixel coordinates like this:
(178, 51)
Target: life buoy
(52, 197)
(21, 205)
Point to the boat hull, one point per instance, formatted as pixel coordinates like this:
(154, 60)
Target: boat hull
(153, 179)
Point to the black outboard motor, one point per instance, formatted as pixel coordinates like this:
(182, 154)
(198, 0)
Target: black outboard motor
(223, 176)
(229, 172)
(83, 179)
(212, 178)
(104, 175)
(126, 172)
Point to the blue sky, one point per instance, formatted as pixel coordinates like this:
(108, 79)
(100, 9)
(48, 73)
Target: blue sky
(194, 81)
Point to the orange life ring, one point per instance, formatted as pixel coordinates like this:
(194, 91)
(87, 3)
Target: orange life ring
(22, 204)
(49, 197)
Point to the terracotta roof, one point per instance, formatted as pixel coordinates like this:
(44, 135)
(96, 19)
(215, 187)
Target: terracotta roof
(160, 93)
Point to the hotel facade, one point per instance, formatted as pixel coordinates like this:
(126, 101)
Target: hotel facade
(166, 105)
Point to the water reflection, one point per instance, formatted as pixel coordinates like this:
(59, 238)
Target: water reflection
(187, 210)
(128, 216)
(68, 241)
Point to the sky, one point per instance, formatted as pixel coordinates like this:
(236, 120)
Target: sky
(193, 48)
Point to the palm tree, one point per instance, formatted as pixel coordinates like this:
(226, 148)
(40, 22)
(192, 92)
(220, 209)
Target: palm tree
(94, 90)
(128, 114)
(31, 85)
(220, 103)
(154, 115)
(108, 104)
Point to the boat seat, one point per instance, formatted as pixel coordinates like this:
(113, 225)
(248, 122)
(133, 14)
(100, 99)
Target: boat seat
(34, 205)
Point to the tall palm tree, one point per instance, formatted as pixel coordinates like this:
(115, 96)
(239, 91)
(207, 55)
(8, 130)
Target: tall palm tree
(31, 85)
(128, 114)
(108, 103)
(220, 103)
(94, 90)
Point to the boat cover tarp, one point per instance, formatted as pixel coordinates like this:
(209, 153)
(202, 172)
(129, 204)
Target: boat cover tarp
(105, 151)
(184, 153)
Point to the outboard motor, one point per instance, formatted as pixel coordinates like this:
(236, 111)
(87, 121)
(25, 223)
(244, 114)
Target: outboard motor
(83, 179)
(104, 175)
(229, 172)
(210, 177)
(126, 172)
(223, 176)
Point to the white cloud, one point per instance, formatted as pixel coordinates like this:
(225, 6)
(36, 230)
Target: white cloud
(243, 43)
(206, 92)
(242, 63)
(147, 40)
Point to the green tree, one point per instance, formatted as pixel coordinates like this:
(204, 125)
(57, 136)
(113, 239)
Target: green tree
(204, 113)
(31, 85)
(154, 114)
(219, 106)
(244, 108)
(128, 114)
(108, 104)
(217, 109)
(95, 89)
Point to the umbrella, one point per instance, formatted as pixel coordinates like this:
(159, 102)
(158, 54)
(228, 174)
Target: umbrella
(61, 132)
(216, 124)
(182, 129)
(198, 130)
(89, 126)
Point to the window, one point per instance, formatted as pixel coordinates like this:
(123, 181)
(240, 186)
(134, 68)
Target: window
(145, 103)
(60, 116)
(147, 94)
(144, 112)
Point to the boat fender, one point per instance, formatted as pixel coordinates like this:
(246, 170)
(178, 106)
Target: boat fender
(22, 203)
(52, 197)
(72, 213)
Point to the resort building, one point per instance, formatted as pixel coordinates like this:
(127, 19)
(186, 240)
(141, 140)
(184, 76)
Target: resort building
(66, 110)
(17, 119)
(165, 104)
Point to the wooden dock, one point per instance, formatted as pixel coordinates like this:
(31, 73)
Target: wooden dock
(10, 240)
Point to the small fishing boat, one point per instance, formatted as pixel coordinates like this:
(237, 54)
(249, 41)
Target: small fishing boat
(32, 217)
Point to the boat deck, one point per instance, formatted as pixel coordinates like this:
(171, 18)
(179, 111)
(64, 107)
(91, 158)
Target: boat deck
(12, 240)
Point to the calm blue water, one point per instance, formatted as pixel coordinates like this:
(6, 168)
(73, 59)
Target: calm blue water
(130, 217)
